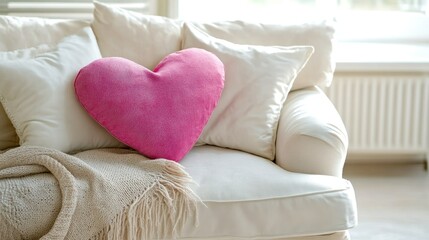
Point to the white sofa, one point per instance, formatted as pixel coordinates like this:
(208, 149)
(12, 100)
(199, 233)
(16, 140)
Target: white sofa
(286, 185)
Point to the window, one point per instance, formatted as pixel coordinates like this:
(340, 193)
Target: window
(68, 9)
(358, 20)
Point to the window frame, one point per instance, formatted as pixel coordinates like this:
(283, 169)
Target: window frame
(69, 9)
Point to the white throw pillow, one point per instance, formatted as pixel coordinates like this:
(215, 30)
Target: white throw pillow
(143, 39)
(319, 34)
(37, 93)
(257, 81)
(24, 32)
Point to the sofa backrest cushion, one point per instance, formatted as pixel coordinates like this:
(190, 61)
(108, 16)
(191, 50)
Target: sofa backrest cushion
(319, 34)
(24, 32)
(37, 93)
(257, 81)
(143, 39)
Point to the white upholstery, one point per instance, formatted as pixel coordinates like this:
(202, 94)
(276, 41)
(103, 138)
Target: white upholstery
(311, 137)
(249, 197)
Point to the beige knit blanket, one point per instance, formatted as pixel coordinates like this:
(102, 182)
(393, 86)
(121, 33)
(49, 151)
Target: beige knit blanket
(97, 194)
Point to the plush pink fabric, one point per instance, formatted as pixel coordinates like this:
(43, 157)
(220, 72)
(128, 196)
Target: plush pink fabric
(159, 113)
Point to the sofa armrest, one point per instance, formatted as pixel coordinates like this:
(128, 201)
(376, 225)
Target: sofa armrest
(311, 135)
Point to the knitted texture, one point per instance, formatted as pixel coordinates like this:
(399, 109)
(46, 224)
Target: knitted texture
(96, 194)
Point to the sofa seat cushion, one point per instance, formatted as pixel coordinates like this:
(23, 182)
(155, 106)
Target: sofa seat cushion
(248, 197)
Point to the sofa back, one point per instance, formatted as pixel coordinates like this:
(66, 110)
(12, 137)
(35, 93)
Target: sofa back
(146, 40)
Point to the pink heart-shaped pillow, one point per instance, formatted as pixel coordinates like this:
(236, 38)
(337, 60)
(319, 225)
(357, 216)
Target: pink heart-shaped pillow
(159, 113)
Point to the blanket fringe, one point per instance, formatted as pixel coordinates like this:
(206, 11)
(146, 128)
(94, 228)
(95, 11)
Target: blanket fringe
(160, 212)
